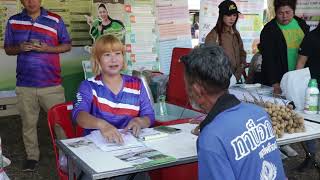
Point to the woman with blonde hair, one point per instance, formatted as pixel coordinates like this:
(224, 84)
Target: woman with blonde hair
(111, 100)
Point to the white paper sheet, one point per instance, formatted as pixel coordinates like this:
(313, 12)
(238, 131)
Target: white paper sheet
(183, 144)
(98, 160)
(129, 141)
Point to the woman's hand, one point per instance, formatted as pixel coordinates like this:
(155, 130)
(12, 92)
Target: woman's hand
(111, 133)
(89, 20)
(136, 124)
(100, 28)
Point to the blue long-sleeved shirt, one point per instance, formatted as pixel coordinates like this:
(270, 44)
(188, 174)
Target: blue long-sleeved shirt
(239, 144)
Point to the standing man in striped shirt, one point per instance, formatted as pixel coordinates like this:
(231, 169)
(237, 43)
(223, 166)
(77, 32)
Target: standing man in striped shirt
(36, 36)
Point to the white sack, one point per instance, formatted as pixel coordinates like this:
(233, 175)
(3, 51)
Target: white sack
(294, 84)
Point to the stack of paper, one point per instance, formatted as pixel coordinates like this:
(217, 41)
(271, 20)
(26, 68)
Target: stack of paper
(129, 141)
(173, 28)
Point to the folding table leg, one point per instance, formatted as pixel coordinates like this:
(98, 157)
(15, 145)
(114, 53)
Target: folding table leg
(70, 169)
(313, 159)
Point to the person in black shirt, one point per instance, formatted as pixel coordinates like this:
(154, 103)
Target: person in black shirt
(309, 56)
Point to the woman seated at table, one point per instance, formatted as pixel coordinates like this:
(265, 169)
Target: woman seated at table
(111, 100)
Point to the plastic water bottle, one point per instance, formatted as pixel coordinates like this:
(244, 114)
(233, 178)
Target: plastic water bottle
(311, 98)
(162, 105)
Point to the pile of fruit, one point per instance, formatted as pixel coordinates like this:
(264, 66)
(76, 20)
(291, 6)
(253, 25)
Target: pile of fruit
(284, 118)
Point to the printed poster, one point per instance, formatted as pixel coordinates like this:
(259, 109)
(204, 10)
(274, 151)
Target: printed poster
(309, 10)
(107, 17)
(141, 39)
(173, 28)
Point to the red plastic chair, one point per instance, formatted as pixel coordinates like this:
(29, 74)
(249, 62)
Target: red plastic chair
(185, 171)
(60, 114)
(176, 93)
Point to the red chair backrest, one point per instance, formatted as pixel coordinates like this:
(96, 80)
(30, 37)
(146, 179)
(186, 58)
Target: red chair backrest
(176, 93)
(60, 114)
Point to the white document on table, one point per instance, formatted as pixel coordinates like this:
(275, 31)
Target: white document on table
(180, 145)
(95, 158)
(129, 141)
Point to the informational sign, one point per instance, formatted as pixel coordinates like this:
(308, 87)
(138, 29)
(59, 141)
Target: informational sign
(309, 10)
(141, 38)
(107, 17)
(249, 24)
(174, 29)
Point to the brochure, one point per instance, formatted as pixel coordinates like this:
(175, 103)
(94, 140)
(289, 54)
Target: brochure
(143, 157)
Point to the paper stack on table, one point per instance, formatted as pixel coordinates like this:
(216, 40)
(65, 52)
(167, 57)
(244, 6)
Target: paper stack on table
(129, 141)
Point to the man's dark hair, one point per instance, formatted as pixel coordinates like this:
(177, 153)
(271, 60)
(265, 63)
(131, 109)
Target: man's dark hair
(280, 3)
(208, 66)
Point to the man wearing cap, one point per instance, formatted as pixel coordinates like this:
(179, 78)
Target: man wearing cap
(236, 139)
(227, 36)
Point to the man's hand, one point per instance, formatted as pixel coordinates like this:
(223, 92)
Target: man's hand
(196, 131)
(136, 124)
(276, 89)
(26, 46)
(42, 47)
(111, 133)
(238, 73)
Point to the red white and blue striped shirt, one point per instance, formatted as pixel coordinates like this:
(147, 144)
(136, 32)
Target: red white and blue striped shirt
(37, 69)
(97, 99)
